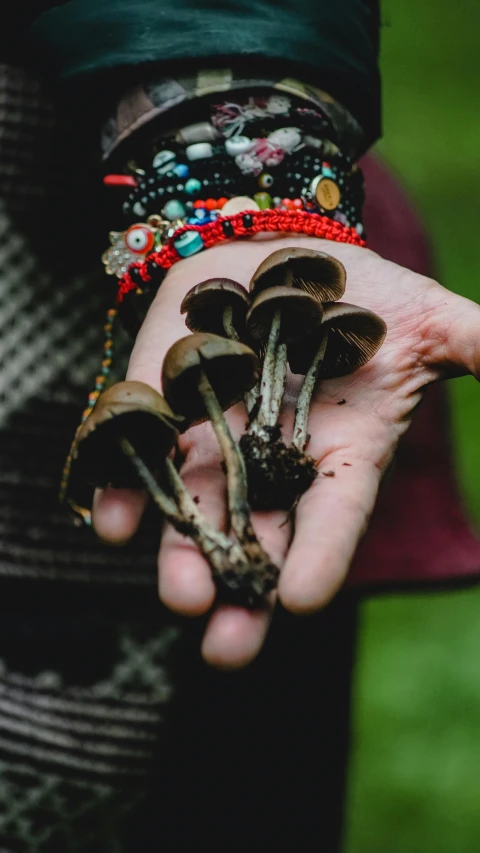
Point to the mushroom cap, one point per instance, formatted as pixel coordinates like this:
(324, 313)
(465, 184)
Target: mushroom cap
(301, 314)
(319, 274)
(204, 305)
(354, 336)
(231, 367)
(132, 410)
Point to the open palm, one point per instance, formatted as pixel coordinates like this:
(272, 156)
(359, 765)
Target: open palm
(355, 424)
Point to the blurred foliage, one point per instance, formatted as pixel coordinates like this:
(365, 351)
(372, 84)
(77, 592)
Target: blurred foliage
(415, 778)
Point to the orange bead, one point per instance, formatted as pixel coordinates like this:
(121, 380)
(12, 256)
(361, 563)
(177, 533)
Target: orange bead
(198, 203)
(211, 204)
(221, 202)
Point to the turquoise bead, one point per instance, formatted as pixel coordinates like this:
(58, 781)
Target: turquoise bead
(107, 353)
(327, 173)
(188, 244)
(192, 186)
(174, 209)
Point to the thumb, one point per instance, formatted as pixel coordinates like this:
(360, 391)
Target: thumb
(452, 336)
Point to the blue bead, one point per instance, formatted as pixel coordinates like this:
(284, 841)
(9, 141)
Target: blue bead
(182, 170)
(188, 244)
(201, 213)
(193, 186)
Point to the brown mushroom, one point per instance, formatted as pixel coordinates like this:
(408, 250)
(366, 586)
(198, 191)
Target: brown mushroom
(132, 428)
(218, 306)
(231, 368)
(348, 337)
(319, 274)
(202, 375)
(279, 316)
(301, 314)
(131, 410)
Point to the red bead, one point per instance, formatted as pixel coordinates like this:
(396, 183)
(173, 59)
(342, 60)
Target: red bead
(297, 202)
(287, 202)
(326, 165)
(211, 204)
(119, 181)
(198, 203)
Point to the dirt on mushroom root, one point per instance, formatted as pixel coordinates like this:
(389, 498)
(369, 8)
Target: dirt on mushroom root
(246, 586)
(277, 474)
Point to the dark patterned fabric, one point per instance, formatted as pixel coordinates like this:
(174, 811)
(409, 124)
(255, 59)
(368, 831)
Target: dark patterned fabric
(152, 98)
(323, 42)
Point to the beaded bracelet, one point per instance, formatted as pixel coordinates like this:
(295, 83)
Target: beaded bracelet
(190, 239)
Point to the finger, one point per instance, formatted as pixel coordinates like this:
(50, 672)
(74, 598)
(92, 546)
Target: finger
(116, 513)
(185, 581)
(331, 518)
(234, 636)
(452, 335)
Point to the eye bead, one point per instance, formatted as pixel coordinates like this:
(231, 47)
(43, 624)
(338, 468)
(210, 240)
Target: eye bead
(140, 239)
(265, 181)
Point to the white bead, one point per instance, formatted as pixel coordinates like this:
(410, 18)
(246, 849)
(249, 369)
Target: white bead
(238, 204)
(164, 160)
(199, 151)
(278, 104)
(238, 145)
(200, 132)
(138, 209)
(286, 138)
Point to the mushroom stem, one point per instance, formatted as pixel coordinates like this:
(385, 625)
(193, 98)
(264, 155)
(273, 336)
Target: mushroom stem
(252, 396)
(212, 540)
(165, 504)
(228, 327)
(236, 482)
(278, 389)
(265, 412)
(235, 465)
(226, 558)
(303, 403)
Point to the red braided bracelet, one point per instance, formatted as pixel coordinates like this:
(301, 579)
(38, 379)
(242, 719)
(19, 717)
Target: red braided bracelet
(239, 225)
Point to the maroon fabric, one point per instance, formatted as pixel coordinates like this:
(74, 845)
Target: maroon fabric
(419, 531)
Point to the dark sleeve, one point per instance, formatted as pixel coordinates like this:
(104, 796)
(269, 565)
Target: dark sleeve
(332, 44)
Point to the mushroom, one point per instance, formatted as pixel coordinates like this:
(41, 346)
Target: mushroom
(306, 278)
(202, 375)
(218, 306)
(316, 274)
(319, 274)
(131, 431)
(348, 337)
(279, 316)
(131, 410)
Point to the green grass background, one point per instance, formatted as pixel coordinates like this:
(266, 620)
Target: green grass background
(415, 776)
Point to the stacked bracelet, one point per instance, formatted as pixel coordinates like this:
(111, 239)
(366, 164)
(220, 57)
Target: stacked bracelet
(211, 182)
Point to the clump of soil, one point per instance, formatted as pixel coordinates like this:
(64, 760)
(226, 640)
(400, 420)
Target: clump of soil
(277, 475)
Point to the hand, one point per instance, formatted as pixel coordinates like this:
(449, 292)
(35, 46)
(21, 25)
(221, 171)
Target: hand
(432, 334)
